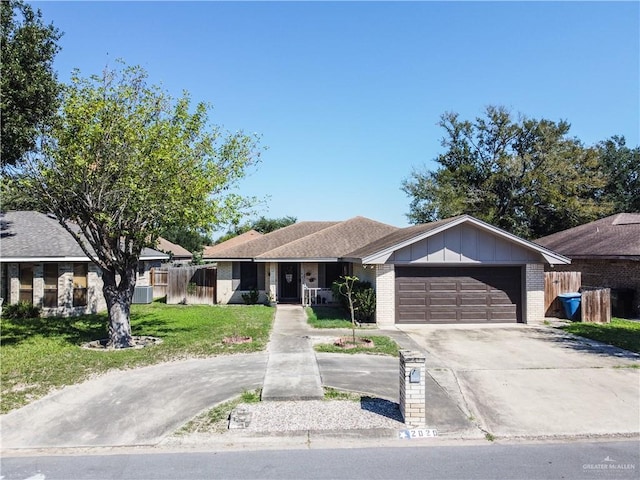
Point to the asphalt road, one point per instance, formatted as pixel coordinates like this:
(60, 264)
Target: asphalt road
(576, 460)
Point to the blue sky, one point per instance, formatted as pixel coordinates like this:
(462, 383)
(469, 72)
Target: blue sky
(347, 96)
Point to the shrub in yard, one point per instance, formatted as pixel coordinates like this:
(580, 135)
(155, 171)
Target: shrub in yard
(364, 299)
(365, 304)
(251, 297)
(21, 310)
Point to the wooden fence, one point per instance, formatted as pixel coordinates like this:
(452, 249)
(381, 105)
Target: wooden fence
(556, 283)
(187, 285)
(159, 281)
(595, 305)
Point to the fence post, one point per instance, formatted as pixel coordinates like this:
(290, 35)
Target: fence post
(412, 387)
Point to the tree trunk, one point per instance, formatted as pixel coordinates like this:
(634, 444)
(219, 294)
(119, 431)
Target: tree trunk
(118, 295)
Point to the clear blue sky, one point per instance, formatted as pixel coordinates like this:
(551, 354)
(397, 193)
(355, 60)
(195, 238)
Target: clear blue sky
(347, 96)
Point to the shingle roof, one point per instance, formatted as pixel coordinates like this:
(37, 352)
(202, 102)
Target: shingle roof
(614, 236)
(176, 250)
(335, 241)
(212, 250)
(398, 236)
(275, 239)
(34, 235)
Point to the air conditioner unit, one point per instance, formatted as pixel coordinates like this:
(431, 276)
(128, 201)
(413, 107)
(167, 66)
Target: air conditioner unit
(142, 295)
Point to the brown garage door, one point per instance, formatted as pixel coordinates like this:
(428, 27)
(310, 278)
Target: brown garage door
(458, 294)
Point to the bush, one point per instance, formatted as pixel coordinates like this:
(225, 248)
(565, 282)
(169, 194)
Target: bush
(364, 299)
(21, 309)
(251, 297)
(365, 304)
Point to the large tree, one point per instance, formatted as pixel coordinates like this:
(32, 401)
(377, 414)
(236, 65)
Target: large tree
(28, 85)
(526, 176)
(123, 162)
(622, 167)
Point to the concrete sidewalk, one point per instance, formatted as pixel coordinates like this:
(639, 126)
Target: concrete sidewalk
(292, 369)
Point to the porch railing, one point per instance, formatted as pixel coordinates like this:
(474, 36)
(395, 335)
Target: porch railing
(316, 296)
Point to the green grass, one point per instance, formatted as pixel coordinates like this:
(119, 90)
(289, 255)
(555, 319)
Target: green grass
(328, 317)
(333, 394)
(382, 346)
(41, 354)
(620, 333)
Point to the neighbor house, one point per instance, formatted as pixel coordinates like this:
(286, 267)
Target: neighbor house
(41, 263)
(452, 271)
(607, 253)
(177, 253)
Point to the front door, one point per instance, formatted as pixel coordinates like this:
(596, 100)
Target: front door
(289, 281)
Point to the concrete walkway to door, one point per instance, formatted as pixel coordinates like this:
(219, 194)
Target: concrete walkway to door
(292, 368)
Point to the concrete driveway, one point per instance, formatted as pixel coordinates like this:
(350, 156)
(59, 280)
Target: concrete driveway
(534, 381)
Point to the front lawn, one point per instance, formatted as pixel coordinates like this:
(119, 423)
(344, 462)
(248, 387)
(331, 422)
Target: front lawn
(41, 354)
(329, 317)
(620, 333)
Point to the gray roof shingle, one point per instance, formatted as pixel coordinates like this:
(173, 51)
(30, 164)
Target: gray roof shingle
(614, 236)
(270, 241)
(335, 241)
(29, 234)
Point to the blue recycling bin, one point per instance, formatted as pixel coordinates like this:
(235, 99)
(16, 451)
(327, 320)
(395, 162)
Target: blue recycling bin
(570, 303)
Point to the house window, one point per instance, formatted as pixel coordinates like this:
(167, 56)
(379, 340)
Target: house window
(26, 283)
(248, 275)
(50, 285)
(80, 273)
(330, 272)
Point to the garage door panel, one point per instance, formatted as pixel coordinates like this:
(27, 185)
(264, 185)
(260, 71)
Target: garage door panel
(406, 286)
(434, 301)
(458, 294)
(414, 300)
(441, 286)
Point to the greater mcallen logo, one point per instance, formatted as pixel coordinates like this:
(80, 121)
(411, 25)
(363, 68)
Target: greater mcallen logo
(608, 464)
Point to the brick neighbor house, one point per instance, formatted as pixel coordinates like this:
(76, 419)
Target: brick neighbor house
(607, 253)
(42, 264)
(458, 270)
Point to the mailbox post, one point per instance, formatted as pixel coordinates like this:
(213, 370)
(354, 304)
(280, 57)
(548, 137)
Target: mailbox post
(412, 387)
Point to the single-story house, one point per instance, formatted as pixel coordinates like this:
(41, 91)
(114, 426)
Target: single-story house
(607, 253)
(458, 270)
(42, 264)
(177, 253)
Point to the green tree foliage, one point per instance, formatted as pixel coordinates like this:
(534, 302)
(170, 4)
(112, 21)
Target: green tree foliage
(524, 175)
(262, 225)
(28, 84)
(124, 161)
(622, 168)
(192, 239)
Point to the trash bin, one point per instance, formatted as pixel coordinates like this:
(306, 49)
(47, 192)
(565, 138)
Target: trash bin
(570, 303)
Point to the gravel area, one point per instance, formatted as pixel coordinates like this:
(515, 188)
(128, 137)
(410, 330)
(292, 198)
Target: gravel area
(322, 415)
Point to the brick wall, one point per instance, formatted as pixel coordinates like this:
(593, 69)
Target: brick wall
(534, 298)
(607, 274)
(385, 295)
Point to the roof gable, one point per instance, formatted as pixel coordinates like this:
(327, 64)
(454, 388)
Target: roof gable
(333, 242)
(462, 239)
(277, 238)
(610, 237)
